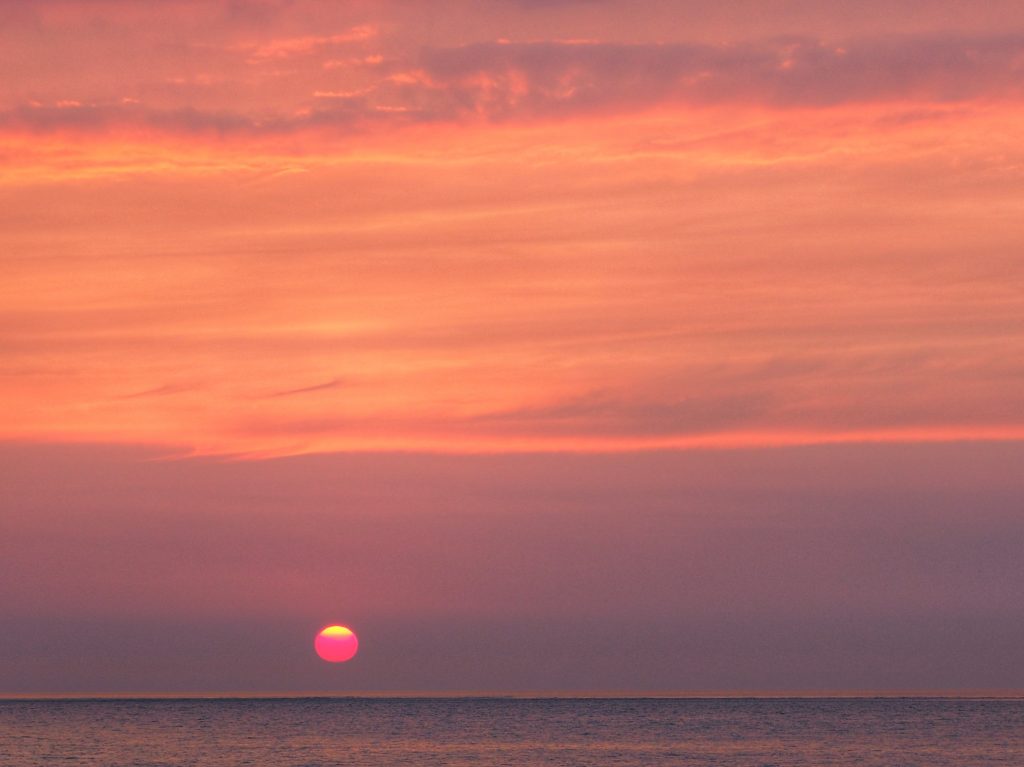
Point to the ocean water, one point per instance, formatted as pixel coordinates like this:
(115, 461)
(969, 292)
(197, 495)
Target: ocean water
(496, 731)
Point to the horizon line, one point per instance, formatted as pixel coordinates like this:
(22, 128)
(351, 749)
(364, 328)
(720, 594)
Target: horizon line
(970, 694)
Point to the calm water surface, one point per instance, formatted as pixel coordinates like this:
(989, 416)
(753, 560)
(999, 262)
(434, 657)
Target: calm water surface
(478, 731)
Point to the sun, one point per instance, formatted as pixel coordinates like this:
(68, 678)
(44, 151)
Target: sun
(336, 644)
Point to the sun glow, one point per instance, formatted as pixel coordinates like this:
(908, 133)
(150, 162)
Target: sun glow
(336, 644)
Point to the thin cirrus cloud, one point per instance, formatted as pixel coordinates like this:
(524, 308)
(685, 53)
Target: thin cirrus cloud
(529, 231)
(673, 281)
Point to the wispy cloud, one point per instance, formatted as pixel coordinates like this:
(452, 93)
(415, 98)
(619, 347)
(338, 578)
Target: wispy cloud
(283, 48)
(332, 384)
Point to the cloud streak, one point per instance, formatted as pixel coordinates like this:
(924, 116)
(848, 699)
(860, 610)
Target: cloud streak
(332, 384)
(284, 48)
(506, 81)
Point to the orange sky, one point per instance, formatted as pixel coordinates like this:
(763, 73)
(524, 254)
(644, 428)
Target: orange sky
(465, 276)
(503, 226)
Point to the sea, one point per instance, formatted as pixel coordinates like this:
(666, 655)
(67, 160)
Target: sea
(315, 732)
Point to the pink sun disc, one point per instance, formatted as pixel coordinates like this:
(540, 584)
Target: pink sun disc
(336, 644)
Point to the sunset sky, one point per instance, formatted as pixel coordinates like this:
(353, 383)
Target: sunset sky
(550, 344)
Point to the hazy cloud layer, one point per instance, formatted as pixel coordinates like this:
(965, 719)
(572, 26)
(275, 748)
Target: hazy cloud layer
(853, 568)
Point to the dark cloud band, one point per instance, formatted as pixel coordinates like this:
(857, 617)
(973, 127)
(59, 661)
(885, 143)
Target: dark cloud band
(544, 80)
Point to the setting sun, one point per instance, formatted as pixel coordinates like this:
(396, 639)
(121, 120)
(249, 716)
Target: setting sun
(336, 644)
(601, 360)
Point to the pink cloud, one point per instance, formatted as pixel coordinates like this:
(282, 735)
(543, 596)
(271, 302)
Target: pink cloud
(294, 46)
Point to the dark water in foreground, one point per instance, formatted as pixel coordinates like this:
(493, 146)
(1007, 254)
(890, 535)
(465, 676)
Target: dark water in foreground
(482, 731)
